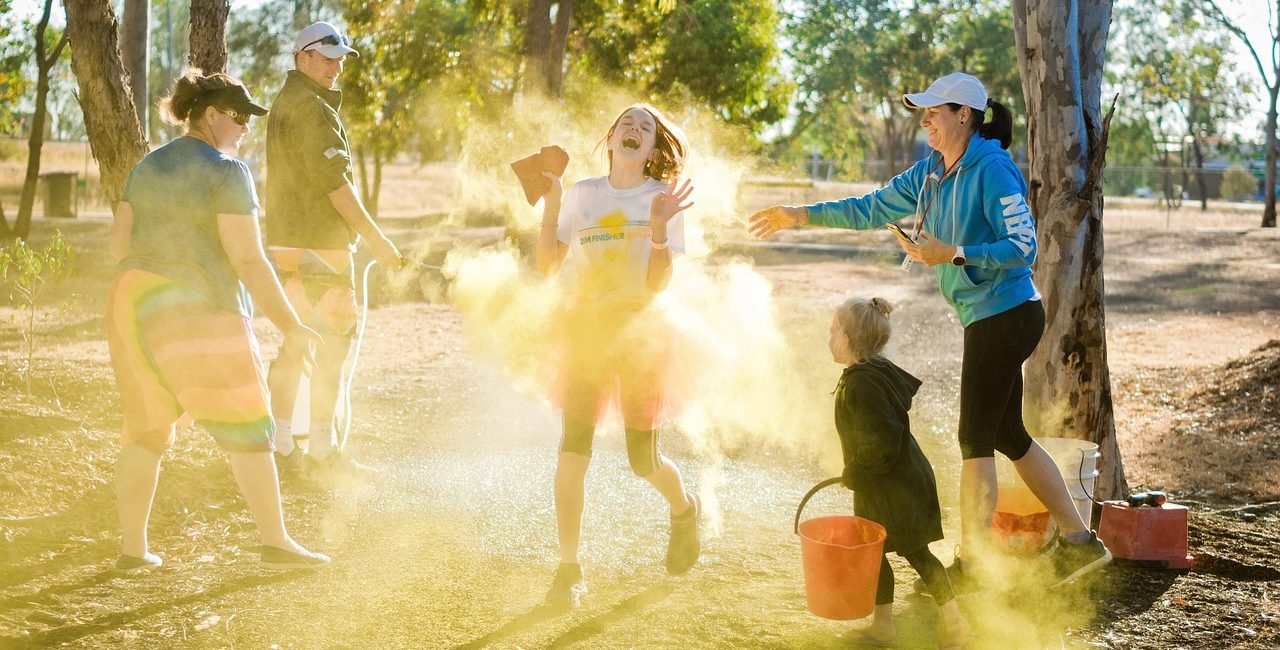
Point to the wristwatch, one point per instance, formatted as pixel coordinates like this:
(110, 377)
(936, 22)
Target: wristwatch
(958, 260)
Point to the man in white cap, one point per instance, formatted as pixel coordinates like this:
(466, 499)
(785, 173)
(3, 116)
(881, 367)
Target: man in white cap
(314, 219)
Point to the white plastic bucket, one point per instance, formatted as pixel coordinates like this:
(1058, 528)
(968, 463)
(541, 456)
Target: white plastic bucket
(1077, 462)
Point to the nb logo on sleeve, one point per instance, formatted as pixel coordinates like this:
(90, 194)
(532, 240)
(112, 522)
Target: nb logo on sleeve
(1017, 220)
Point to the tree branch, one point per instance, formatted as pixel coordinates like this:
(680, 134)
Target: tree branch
(1220, 17)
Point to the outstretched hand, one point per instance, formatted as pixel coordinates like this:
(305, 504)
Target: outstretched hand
(763, 224)
(666, 205)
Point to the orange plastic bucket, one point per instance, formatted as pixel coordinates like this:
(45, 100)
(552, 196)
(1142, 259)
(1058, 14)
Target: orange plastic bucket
(1020, 523)
(841, 562)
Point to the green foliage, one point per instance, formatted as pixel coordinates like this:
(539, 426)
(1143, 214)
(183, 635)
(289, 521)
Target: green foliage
(1176, 71)
(15, 50)
(722, 53)
(26, 271)
(854, 60)
(404, 48)
(1238, 183)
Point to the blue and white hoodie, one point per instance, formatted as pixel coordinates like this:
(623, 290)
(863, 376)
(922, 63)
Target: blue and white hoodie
(979, 206)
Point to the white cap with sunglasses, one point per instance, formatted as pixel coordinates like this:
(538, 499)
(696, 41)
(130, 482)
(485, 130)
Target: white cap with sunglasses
(325, 39)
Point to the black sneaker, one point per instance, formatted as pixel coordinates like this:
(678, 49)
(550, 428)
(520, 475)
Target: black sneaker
(278, 559)
(1070, 561)
(684, 545)
(567, 587)
(132, 564)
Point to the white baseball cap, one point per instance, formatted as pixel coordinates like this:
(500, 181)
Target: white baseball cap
(955, 88)
(325, 39)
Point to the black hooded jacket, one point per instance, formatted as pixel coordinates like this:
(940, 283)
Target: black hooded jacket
(892, 480)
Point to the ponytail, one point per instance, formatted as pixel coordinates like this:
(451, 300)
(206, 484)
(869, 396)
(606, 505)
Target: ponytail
(1001, 125)
(191, 95)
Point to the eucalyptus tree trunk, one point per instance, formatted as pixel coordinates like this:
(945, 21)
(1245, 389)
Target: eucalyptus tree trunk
(208, 37)
(135, 47)
(544, 45)
(115, 137)
(1061, 48)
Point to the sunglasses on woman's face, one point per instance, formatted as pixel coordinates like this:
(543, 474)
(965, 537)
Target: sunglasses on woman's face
(236, 116)
(330, 39)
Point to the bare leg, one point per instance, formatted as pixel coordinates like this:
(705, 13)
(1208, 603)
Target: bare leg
(977, 504)
(326, 390)
(571, 475)
(881, 629)
(137, 472)
(666, 478)
(255, 472)
(282, 379)
(1041, 474)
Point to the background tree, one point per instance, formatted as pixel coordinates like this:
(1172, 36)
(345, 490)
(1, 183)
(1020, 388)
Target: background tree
(1067, 379)
(208, 35)
(1179, 68)
(1270, 75)
(47, 46)
(720, 53)
(115, 136)
(135, 47)
(404, 47)
(546, 32)
(854, 59)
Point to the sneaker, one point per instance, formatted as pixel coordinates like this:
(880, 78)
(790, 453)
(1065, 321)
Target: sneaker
(289, 467)
(132, 564)
(278, 559)
(567, 587)
(684, 545)
(1070, 561)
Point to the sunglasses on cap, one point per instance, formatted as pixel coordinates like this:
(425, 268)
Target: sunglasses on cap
(236, 116)
(329, 39)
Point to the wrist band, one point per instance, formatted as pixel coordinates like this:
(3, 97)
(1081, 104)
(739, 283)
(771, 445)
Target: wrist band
(666, 243)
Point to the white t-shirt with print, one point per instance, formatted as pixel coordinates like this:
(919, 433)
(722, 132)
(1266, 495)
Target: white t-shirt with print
(608, 234)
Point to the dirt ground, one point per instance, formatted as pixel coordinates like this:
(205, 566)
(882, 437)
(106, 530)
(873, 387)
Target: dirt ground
(452, 545)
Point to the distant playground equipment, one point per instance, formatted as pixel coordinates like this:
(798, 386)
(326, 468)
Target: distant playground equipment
(1021, 524)
(841, 561)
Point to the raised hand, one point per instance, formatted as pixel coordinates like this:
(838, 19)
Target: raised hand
(763, 224)
(667, 205)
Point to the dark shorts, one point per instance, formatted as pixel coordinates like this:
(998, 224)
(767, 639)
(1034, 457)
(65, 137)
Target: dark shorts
(991, 381)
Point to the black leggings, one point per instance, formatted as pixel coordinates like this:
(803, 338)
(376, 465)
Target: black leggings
(929, 568)
(991, 381)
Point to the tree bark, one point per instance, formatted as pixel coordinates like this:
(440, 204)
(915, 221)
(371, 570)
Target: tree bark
(1068, 385)
(45, 60)
(208, 37)
(1269, 204)
(537, 42)
(555, 50)
(135, 46)
(115, 136)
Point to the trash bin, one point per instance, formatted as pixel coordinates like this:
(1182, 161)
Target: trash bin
(59, 188)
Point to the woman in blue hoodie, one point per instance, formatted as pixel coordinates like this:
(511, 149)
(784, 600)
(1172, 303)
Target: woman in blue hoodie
(974, 229)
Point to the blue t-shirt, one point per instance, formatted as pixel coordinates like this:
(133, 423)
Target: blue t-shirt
(177, 193)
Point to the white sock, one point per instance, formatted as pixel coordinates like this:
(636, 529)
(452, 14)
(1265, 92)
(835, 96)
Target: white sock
(284, 437)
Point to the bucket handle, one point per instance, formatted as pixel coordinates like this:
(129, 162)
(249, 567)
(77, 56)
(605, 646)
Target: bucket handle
(827, 483)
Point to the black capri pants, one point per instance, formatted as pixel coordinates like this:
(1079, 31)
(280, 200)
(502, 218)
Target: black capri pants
(991, 381)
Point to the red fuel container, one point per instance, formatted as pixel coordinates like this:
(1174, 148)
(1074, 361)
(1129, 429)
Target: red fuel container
(1146, 534)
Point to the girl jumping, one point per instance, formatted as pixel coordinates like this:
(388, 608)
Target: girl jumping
(618, 233)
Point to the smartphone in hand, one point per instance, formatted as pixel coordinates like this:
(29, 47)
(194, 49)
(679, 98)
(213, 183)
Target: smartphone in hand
(902, 234)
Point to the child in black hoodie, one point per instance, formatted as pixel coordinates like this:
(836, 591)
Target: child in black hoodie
(891, 479)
